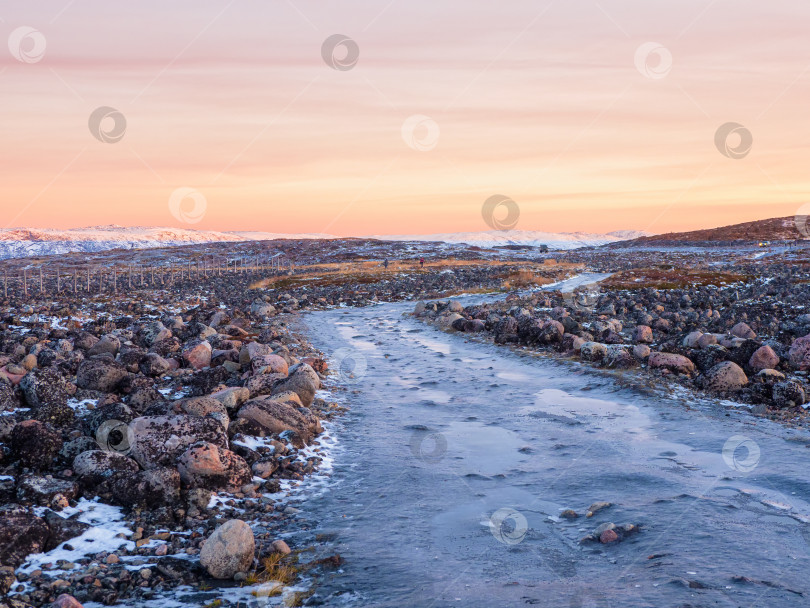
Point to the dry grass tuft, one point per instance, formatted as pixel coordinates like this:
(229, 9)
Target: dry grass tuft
(277, 568)
(668, 277)
(523, 279)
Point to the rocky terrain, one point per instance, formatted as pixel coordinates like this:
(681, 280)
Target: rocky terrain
(151, 427)
(142, 425)
(723, 325)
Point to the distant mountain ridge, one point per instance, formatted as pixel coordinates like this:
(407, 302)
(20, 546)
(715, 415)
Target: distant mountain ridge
(562, 240)
(27, 242)
(773, 229)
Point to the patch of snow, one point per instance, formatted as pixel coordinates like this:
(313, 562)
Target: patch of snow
(107, 524)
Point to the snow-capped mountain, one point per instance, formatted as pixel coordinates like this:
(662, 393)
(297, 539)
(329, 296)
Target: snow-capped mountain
(25, 242)
(561, 240)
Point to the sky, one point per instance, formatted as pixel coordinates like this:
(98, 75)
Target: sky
(403, 116)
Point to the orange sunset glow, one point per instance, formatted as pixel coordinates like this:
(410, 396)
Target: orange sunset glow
(558, 105)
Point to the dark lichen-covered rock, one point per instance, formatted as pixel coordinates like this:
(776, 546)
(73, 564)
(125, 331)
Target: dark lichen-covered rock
(159, 440)
(100, 374)
(35, 444)
(21, 534)
(45, 386)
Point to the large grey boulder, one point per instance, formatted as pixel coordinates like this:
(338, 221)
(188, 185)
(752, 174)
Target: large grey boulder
(229, 550)
(276, 417)
(303, 380)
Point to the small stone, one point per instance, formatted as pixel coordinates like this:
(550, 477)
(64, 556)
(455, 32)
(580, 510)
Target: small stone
(66, 601)
(279, 546)
(569, 514)
(608, 536)
(112, 558)
(596, 507)
(162, 550)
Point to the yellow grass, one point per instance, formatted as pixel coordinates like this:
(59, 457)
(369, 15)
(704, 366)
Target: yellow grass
(365, 271)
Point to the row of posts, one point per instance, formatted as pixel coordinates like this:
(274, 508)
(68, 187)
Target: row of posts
(82, 279)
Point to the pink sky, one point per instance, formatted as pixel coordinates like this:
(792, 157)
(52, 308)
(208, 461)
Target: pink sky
(539, 101)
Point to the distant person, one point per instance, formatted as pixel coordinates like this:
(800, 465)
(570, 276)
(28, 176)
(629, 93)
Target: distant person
(421, 262)
(385, 263)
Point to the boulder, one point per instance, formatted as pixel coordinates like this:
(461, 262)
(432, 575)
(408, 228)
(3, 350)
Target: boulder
(197, 354)
(110, 415)
(159, 440)
(152, 364)
(207, 379)
(155, 487)
(643, 334)
(763, 358)
(45, 385)
(207, 466)
(619, 357)
(725, 377)
(691, 340)
(96, 465)
(229, 550)
(551, 332)
(593, 351)
(8, 398)
(202, 406)
(788, 394)
(232, 398)
(445, 321)
(271, 364)
(263, 384)
(108, 344)
(708, 357)
(706, 340)
(671, 362)
(262, 309)
(741, 330)
(641, 351)
(62, 529)
(67, 601)
(799, 353)
(252, 350)
(302, 380)
(35, 443)
(154, 331)
(21, 534)
(100, 375)
(57, 415)
(276, 417)
(42, 490)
